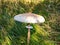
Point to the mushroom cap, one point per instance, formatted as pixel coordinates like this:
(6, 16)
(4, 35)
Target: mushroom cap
(29, 18)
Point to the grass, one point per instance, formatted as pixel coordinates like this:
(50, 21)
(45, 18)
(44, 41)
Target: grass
(15, 33)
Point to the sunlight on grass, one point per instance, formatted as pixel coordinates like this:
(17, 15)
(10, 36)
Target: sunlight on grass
(26, 1)
(34, 1)
(35, 38)
(49, 42)
(11, 0)
(41, 30)
(6, 41)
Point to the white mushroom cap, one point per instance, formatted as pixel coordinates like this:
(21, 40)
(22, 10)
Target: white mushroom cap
(29, 18)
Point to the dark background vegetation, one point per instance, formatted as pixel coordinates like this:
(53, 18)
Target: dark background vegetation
(15, 33)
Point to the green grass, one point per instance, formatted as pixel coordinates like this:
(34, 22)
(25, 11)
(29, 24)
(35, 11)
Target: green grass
(15, 33)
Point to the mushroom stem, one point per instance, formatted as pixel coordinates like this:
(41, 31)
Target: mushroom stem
(28, 38)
